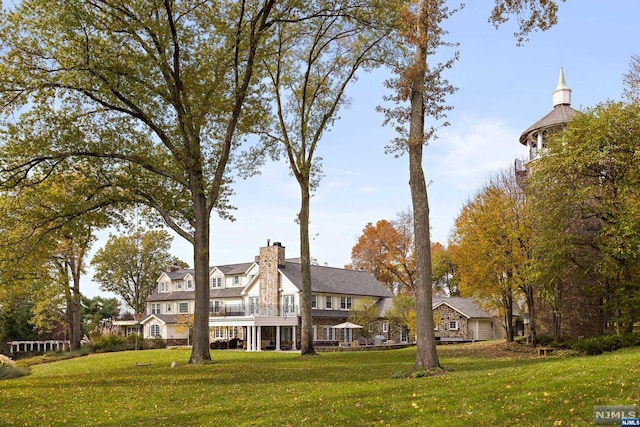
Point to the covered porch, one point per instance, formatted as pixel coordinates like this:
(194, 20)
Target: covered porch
(262, 333)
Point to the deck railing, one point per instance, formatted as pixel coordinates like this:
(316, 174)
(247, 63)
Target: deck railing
(255, 310)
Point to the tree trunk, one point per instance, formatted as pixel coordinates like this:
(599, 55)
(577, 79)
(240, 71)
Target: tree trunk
(426, 355)
(200, 347)
(306, 333)
(508, 314)
(528, 292)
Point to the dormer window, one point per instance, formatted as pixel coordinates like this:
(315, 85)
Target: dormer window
(179, 285)
(216, 282)
(163, 287)
(189, 284)
(236, 280)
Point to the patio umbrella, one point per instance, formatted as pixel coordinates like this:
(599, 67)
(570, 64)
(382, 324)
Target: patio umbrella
(347, 325)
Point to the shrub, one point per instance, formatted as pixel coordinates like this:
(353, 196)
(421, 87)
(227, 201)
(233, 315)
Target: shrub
(544, 339)
(598, 345)
(8, 369)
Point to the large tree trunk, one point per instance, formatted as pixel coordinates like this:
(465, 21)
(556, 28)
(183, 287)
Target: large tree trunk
(426, 355)
(200, 347)
(306, 333)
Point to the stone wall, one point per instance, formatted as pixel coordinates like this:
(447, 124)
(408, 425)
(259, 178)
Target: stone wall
(447, 314)
(270, 258)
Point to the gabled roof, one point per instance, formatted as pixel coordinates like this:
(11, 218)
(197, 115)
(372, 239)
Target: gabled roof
(235, 268)
(332, 280)
(465, 306)
(170, 319)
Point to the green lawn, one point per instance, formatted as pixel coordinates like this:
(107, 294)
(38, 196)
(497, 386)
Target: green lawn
(483, 387)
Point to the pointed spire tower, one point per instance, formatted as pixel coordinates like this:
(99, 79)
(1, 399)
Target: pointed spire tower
(534, 137)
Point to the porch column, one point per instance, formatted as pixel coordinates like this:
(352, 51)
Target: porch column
(277, 338)
(259, 338)
(295, 344)
(252, 340)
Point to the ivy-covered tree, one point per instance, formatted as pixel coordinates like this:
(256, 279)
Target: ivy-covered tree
(588, 212)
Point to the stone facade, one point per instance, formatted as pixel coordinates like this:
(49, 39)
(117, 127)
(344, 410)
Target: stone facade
(446, 314)
(270, 258)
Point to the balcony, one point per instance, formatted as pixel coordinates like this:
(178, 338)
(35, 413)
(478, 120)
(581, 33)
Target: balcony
(262, 310)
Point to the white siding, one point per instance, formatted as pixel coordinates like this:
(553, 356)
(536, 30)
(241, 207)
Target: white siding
(481, 329)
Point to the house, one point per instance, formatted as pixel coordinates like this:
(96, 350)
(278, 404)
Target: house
(461, 319)
(257, 304)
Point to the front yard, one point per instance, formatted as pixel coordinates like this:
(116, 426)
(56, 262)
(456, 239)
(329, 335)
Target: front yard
(485, 385)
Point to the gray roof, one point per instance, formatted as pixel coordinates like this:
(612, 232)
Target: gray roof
(235, 268)
(332, 280)
(166, 318)
(559, 116)
(466, 306)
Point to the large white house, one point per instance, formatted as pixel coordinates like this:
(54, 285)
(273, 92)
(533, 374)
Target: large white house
(257, 304)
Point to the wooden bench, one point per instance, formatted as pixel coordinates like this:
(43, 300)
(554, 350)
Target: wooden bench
(545, 351)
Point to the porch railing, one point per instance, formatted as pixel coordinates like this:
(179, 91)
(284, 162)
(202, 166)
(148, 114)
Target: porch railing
(256, 310)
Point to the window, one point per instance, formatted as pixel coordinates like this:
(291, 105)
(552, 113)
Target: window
(314, 301)
(453, 325)
(404, 334)
(232, 332)
(169, 307)
(163, 287)
(155, 308)
(189, 284)
(154, 330)
(236, 280)
(327, 302)
(179, 284)
(289, 304)
(219, 332)
(216, 282)
(183, 307)
(216, 306)
(253, 305)
(385, 326)
(345, 303)
(328, 333)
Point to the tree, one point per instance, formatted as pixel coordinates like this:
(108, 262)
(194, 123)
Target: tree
(443, 271)
(403, 313)
(492, 248)
(46, 243)
(585, 195)
(95, 311)
(314, 64)
(387, 254)
(129, 265)
(365, 314)
(632, 80)
(425, 89)
(155, 94)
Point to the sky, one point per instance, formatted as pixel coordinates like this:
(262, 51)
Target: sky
(502, 90)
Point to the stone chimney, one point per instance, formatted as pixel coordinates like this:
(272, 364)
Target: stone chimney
(270, 259)
(173, 267)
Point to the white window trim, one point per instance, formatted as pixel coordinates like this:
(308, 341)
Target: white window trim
(180, 305)
(328, 302)
(453, 322)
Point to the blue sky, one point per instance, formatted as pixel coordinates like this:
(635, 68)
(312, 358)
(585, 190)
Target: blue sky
(503, 89)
